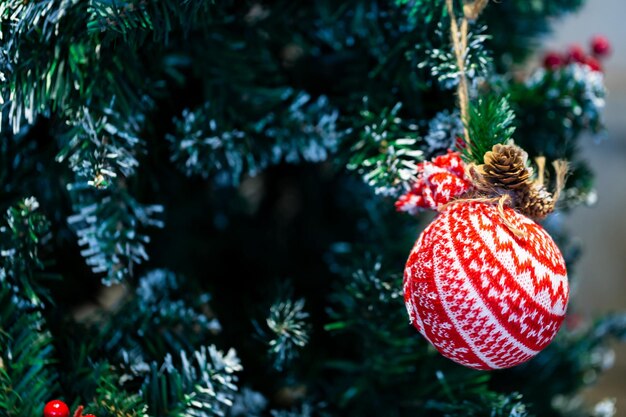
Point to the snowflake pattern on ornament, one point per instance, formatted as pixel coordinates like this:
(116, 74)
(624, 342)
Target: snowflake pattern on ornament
(438, 182)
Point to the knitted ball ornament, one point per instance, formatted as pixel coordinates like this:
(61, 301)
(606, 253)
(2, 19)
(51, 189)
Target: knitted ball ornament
(480, 295)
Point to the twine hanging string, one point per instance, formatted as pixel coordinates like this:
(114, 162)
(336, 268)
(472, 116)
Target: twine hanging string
(471, 11)
(534, 200)
(502, 201)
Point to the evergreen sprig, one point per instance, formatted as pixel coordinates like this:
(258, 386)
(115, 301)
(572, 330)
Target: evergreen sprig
(48, 71)
(135, 20)
(386, 154)
(287, 331)
(102, 148)
(472, 397)
(298, 129)
(568, 101)
(371, 298)
(163, 316)
(202, 385)
(28, 378)
(444, 132)
(491, 121)
(20, 241)
(441, 61)
(487, 404)
(110, 226)
(112, 400)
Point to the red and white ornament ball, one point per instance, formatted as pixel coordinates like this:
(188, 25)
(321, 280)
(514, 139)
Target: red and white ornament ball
(482, 296)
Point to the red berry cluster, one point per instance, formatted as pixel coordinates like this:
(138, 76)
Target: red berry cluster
(56, 408)
(600, 49)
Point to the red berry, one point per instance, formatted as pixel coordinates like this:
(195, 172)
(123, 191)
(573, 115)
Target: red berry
(56, 408)
(600, 46)
(553, 61)
(576, 53)
(593, 64)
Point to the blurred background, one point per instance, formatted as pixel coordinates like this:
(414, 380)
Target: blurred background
(601, 286)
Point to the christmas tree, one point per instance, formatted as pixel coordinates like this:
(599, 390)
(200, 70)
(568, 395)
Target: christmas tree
(207, 207)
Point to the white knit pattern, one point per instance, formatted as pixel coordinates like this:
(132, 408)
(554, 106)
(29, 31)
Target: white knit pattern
(483, 297)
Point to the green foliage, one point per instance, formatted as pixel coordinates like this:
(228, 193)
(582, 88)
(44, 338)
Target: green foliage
(109, 225)
(486, 404)
(48, 70)
(386, 153)
(298, 129)
(425, 9)
(28, 378)
(490, 122)
(20, 242)
(200, 386)
(163, 316)
(287, 331)
(112, 401)
(567, 101)
(441, 61)
(372, 300)
(134, 20)
(369, 312)
(101, 148)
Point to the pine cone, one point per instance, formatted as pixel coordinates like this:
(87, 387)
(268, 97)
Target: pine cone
(535, 202)
(505, 167)
(504, 172)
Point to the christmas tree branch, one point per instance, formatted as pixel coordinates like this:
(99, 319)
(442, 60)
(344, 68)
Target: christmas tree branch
(459, 43)
(134, 20)
(20, 242)
(27, 375)
(113, 400)
(202, 385)
(298, 128)
(110, 226)
(385, 153)
(286, 331)
(162, 315)
(103, 147)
